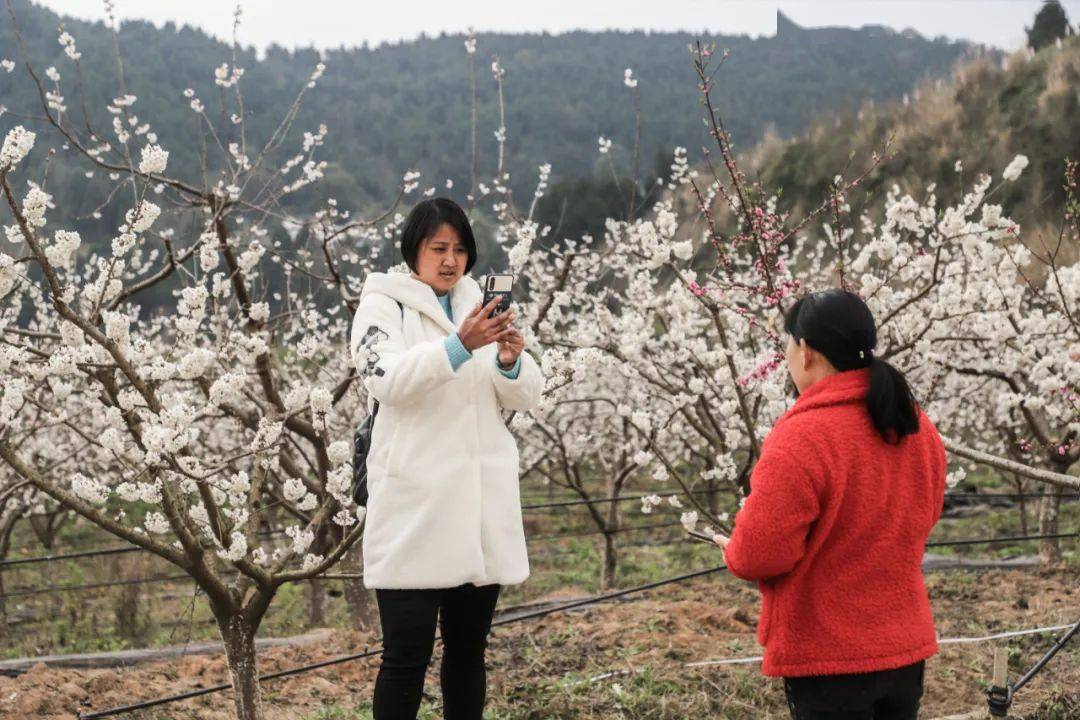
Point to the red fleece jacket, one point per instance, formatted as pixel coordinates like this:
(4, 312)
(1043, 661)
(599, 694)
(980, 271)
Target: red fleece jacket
(834, 531)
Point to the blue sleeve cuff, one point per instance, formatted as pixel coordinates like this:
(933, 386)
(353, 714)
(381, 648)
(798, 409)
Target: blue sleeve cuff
(512, 373)
(456, 351)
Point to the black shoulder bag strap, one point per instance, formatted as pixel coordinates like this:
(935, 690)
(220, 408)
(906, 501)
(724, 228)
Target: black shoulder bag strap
(362, 444)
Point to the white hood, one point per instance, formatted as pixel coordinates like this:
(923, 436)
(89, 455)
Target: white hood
(419, 296)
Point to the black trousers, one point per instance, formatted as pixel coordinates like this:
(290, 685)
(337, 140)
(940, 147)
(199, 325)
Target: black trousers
(408, 618)
(882, 695)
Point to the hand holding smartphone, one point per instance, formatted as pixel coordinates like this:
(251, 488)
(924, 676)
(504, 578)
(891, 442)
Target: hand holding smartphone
(498, 284)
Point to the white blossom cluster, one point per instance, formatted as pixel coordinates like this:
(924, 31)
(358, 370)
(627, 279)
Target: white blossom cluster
(17, 145)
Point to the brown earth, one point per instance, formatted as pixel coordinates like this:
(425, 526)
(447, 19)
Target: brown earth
(548, 668)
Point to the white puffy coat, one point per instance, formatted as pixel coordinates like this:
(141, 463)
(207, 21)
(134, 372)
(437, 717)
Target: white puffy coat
(444, 507)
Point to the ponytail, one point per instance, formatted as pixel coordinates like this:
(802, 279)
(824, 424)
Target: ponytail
(840, 326)
(890, 402)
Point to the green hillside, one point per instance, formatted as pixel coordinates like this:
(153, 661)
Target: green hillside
(406, 105)
(987, 113)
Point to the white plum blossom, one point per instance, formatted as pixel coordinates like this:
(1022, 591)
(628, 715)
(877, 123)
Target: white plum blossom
(17, 145)
(89, 490)
(1012, 172)
(339, 452)
(61, 253)
(259, 312)
(153, 160)
(237, 549)
(141, 218)
(689, 519)
(12, 400)
(68, 43)
(156, 523)
(649, 502)
(321, 400)
(196, 363)
(955, 478)
(35, 203)
(8, 274)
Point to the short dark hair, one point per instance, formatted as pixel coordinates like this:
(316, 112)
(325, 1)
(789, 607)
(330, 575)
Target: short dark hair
(425, 220)
(840, 326)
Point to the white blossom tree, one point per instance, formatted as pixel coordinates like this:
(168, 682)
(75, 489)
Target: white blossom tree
(688, 303)
(205, 433)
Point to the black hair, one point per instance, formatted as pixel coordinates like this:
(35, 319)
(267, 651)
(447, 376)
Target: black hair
(840, 326)
(425, 220)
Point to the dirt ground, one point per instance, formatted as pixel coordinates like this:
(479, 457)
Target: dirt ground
(551, 667)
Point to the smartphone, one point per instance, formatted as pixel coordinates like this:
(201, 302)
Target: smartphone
(702, 537)
(498, 285)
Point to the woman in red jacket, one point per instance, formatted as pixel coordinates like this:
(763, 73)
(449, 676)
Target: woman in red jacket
(849, 484)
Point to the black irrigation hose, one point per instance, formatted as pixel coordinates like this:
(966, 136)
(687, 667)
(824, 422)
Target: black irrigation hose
(1044, 659)
(619, 499)
(1013, 538)
(587, 533)
(999, 700)
(88, 586)
(70, 556)
(371, 653)
(24, 591)
(1014, 496)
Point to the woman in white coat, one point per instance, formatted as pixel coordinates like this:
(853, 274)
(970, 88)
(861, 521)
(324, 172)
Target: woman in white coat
(443, 529)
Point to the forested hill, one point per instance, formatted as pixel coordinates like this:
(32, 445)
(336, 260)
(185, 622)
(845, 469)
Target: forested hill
(406, 105)
(985, 115)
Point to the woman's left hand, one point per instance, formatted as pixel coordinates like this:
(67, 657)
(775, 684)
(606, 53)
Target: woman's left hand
(721, 542)
(511, 343)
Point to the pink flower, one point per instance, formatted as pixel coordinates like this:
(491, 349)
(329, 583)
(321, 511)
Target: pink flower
(763, 370)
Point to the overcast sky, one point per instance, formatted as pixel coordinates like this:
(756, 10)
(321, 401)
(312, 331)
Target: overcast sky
(332, 23)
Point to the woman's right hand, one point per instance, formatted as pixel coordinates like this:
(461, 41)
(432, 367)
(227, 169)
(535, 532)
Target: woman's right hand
(478, 329)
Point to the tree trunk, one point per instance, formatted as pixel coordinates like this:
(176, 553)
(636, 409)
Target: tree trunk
(611, 524)
(714, 496)
(317, 603)
(47, 527)
(239, 639)
(3, 607)
(611, 560)
(5, 547)
(1049, 508)
(1019, 482)
(361, 609)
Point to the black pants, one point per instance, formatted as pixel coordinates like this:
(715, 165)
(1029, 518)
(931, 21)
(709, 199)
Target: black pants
(883, 695)
(408, 625)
